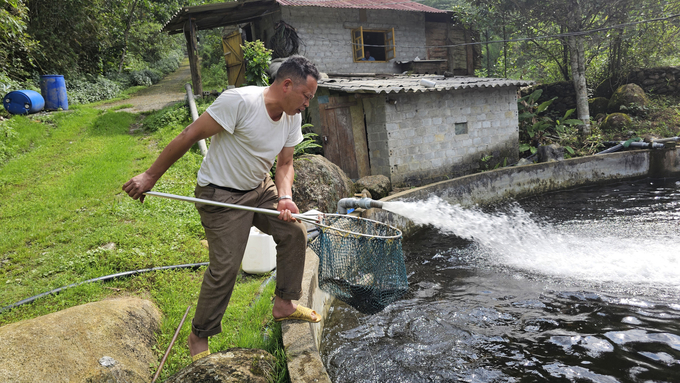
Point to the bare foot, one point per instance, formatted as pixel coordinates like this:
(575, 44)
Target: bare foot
(196, 344)
(284, 307)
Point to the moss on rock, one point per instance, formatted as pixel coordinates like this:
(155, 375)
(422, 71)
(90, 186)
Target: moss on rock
(616, 122)
(630, 96)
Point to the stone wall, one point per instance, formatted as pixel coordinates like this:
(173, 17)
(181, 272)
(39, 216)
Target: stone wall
(416, 138)
(655, 80)
(652, 80)
(327, 39)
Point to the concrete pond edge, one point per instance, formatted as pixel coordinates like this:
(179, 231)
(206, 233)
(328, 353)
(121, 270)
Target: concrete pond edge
(302, 341)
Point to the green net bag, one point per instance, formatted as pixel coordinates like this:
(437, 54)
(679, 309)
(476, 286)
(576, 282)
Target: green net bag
(360, 262)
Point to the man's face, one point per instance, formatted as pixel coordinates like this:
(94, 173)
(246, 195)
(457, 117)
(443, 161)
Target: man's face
(300, 95)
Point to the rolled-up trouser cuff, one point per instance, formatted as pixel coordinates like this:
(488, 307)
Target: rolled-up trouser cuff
(205, 333)
(288, 295)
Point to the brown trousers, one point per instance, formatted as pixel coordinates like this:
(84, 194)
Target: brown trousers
(227, 231)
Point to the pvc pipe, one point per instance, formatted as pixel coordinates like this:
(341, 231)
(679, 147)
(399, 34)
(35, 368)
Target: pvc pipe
(668, 139)
(194, 116)
(653, 145)
(353, 203)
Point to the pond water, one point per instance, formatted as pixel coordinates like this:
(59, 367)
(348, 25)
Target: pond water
(580, 285)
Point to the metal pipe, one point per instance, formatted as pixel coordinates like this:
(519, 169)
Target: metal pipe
(194, 116)
(172, 342)
(353, 203)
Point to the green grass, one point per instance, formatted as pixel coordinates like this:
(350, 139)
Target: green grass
(61, 208)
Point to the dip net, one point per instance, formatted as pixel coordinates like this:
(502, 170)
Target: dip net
(360, 261)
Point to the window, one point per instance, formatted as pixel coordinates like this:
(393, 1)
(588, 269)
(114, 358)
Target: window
(380, 44)
(461, 128)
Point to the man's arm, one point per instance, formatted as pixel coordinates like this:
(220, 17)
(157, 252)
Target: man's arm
(204, 127)
(284, 183)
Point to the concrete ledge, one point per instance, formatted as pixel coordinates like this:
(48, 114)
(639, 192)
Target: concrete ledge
(302, 340)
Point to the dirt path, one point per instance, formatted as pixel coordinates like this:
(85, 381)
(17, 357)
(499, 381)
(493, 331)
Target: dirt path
(168, 91)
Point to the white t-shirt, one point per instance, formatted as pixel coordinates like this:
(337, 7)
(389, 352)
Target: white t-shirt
(241, 156)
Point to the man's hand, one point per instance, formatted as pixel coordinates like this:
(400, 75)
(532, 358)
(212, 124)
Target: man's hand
(138, 185)
(287, 208)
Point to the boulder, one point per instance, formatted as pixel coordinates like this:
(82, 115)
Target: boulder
(378, 186)
(547, 153)
(616, 122)
(106, 341)
(319, 184)
(233, 365)
(630, 96)
(598, 105)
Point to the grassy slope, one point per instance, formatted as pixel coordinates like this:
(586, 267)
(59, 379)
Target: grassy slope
(61, 203)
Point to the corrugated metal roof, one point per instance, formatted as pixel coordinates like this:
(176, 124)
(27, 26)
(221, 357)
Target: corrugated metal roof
(399, 5)
(414, 83)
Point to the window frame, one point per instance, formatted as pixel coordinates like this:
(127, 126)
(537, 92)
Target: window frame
(358, 44)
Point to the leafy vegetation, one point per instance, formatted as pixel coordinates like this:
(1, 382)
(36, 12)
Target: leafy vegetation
(257, 59)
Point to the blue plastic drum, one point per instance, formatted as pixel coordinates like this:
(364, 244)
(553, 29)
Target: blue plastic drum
(53, 88)
(23, 102)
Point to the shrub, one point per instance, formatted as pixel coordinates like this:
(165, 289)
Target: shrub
(175, 115)
(84, 91)
(257, 59)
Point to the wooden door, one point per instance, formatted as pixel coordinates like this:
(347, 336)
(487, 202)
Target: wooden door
(233, 55)
(338, 138)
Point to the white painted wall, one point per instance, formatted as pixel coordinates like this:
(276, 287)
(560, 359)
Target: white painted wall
(414, 141)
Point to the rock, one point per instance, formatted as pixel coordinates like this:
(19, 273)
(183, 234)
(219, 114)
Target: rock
(364, 194)
(237, 365)
(524, 161)
(106, 341)
(616, 122)
(598, 105)
(630, 96)
(319, 184)
(378, 186)
(547, 153)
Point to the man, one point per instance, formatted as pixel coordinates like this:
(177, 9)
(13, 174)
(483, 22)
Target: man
(367, 56)
(249, 127)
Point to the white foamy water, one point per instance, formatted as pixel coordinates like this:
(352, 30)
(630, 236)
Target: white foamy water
(514, 239)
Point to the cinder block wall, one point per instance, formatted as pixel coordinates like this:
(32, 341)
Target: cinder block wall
(416, 142)
(327, 38)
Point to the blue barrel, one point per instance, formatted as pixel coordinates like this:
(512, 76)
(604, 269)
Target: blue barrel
(53, 88)
(23, 102)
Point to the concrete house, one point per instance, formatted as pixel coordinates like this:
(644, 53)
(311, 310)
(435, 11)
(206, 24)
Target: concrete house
(411, 110)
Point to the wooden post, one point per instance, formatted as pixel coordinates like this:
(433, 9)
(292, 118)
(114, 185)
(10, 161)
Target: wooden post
(192, 48)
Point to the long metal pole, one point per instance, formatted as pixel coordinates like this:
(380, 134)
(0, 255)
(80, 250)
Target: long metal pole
(215, 203)
(172, 342)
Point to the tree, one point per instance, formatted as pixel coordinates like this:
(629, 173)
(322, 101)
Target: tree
(17, 47)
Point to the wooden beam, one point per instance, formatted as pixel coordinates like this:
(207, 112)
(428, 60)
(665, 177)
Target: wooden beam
(192, 48)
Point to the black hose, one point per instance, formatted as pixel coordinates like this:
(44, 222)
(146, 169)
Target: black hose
(312, 232)
(104, 278)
